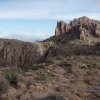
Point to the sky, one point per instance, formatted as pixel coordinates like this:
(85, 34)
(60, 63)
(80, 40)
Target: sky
(32, 20)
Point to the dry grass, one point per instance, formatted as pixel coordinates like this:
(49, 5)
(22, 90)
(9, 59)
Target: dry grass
(93, 61)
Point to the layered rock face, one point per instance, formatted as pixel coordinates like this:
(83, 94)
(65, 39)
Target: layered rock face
(15, 53)
(82, 28)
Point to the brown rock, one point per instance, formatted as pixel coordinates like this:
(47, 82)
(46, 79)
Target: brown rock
(15, 53)
(82, 28)
(57, 32)
(97, 30)
(21, 86)
(61, 28)
(27, 96)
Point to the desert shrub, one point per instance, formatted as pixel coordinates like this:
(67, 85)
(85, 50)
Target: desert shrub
(52, 97)
(60, 57)
(88, 79)
(93, 61)
(4, 85)
(12, 75)
(34, 68)
(42, 75)
(37, 67)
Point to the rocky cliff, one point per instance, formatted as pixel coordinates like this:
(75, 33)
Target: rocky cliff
(15, 53)
(82, 28)
(79, 37)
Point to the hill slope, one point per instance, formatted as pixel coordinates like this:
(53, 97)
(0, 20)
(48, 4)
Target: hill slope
(14, 53)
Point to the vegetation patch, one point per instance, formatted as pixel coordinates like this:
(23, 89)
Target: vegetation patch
(12, 75)
(93, 61)
(60, 57)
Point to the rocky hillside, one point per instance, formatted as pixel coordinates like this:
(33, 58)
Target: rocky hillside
(14, 53)
(72, 78)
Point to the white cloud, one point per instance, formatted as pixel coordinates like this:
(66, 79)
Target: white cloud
(26, 36)
(49, 9)
(2, 35)
(46, 15)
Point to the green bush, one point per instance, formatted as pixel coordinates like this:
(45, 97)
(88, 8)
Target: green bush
(4, 85)
(60, 57)
(12, 75)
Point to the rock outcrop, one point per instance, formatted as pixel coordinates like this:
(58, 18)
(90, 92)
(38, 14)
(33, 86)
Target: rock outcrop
(61, 28)
(82, 28)
(15, 53)
(79, 37)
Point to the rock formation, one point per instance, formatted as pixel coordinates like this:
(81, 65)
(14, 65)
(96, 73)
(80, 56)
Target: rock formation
(15, 53)
(61, 28)
(97, 30)
(79, 37)
(82, 28)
